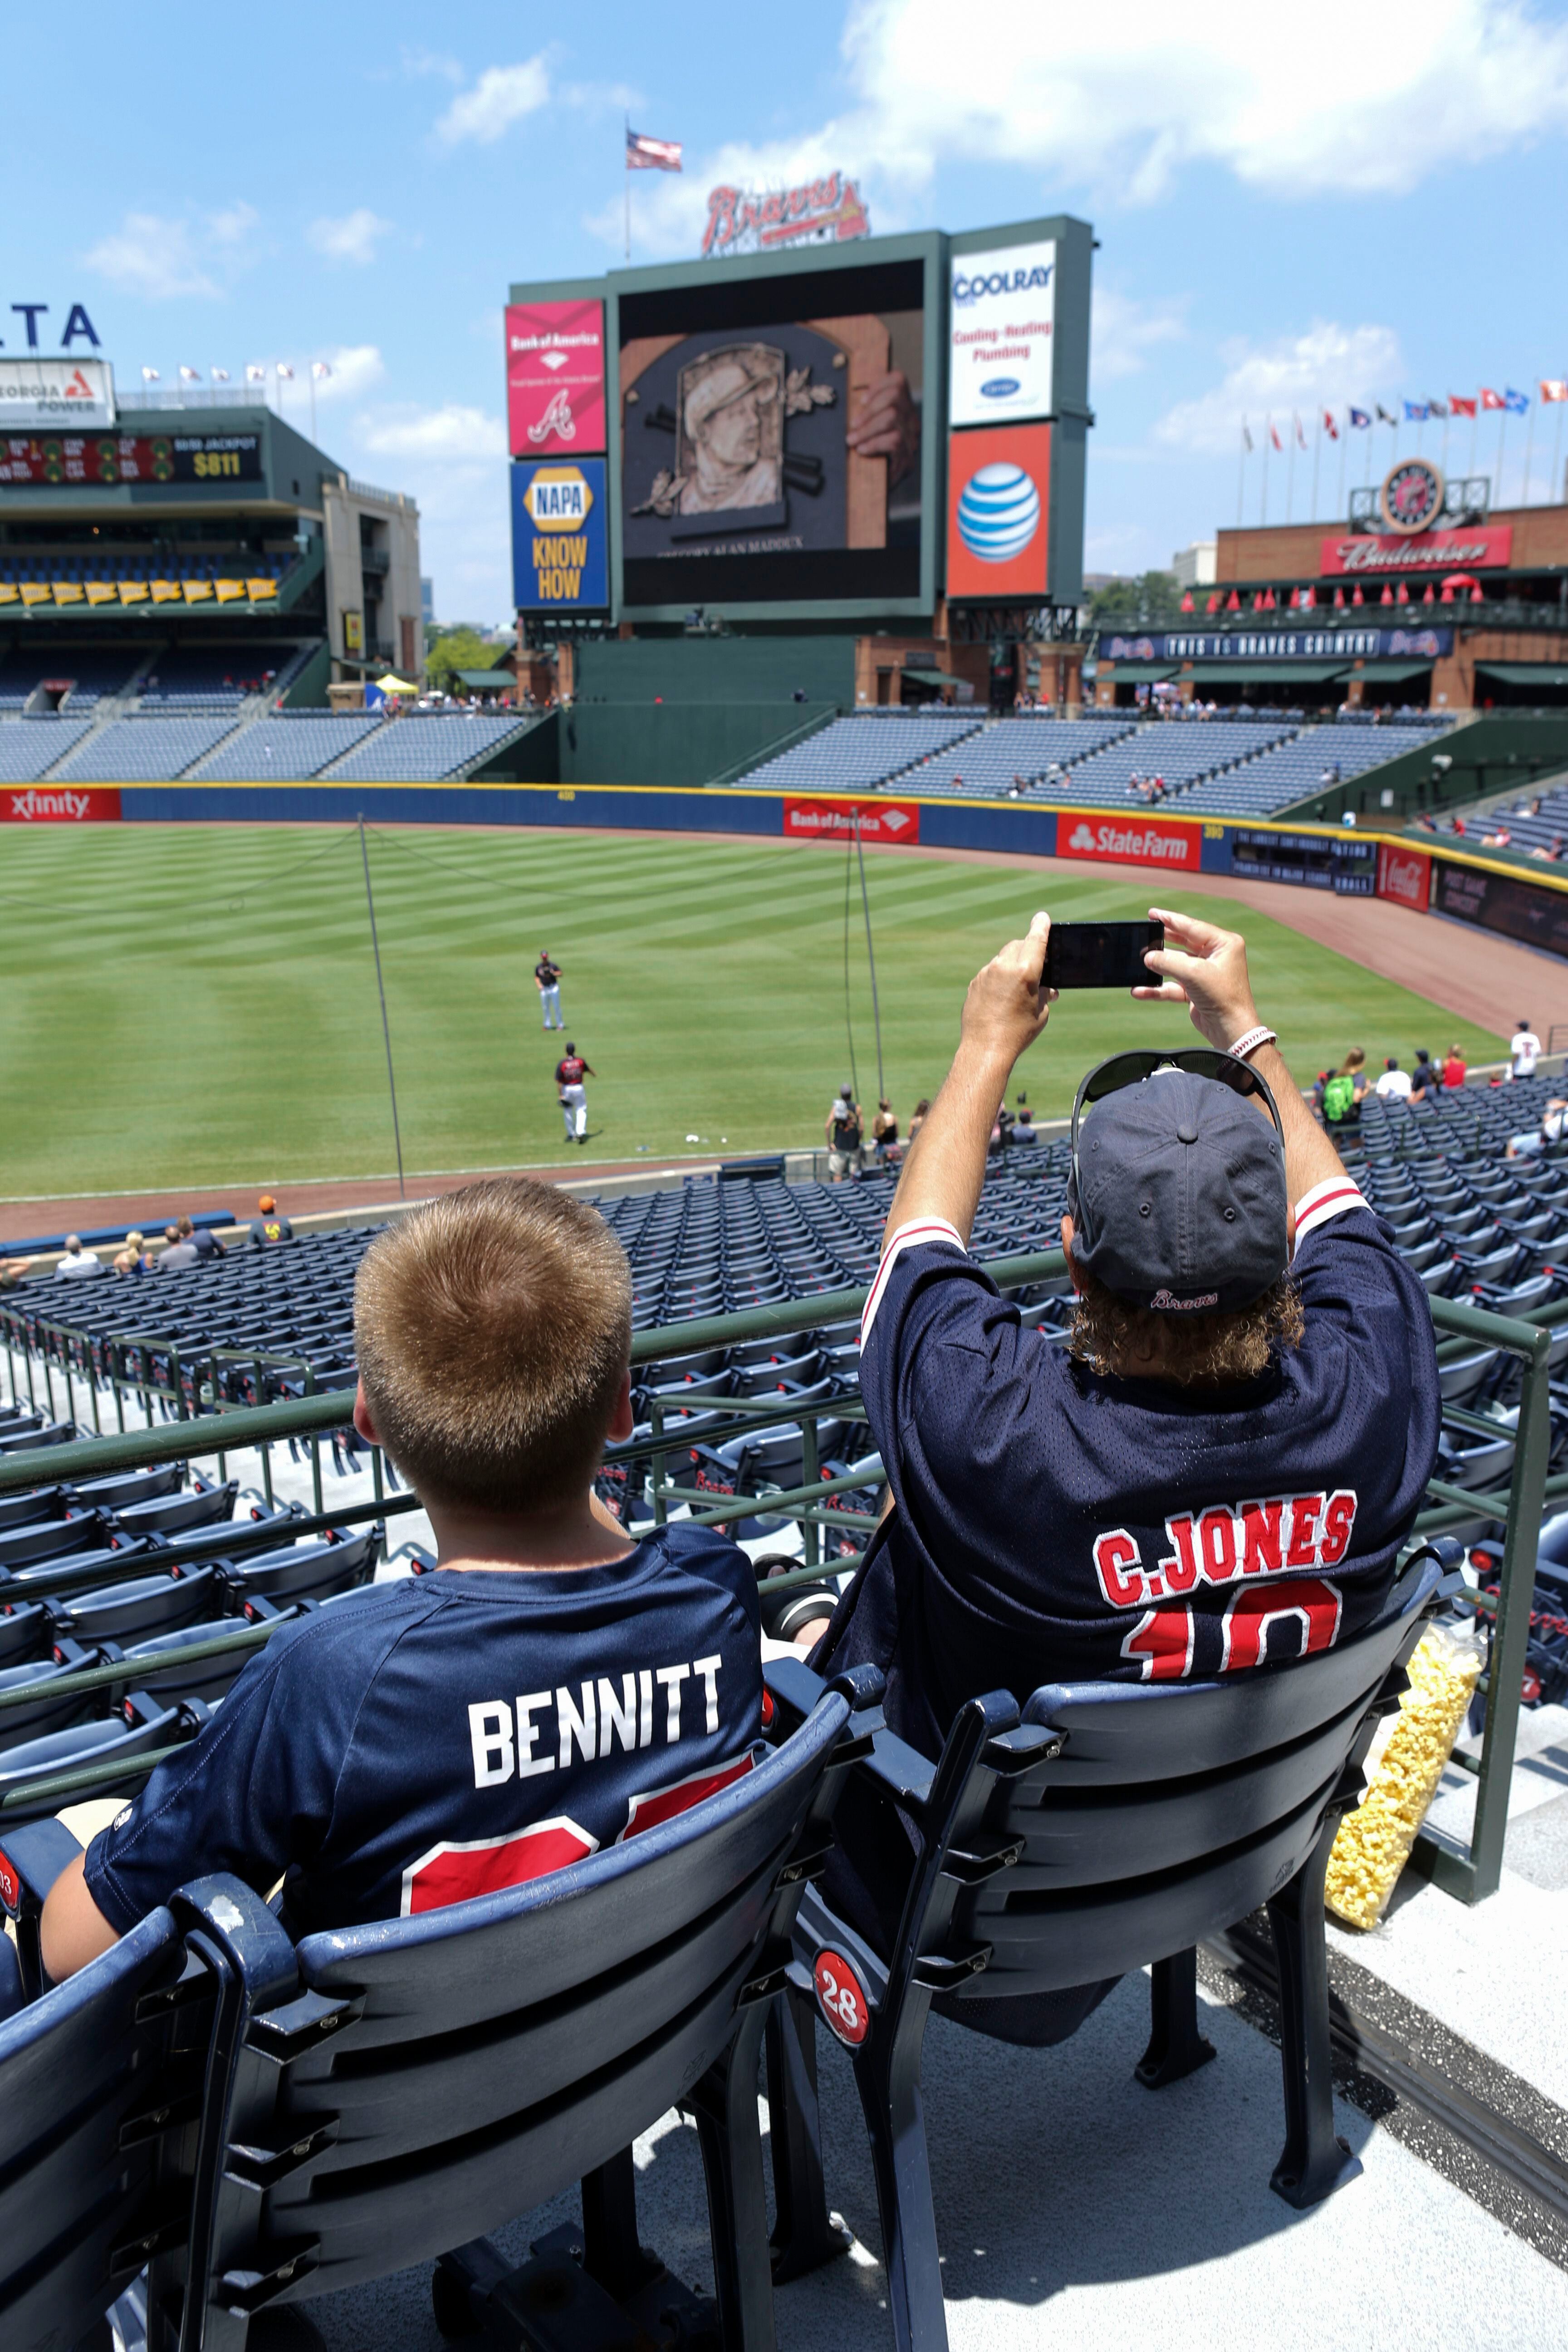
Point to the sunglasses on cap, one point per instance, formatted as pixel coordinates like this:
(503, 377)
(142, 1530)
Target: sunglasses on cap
(1121, 1070)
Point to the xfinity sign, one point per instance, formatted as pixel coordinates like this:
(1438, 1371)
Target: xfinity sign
(1003, 331)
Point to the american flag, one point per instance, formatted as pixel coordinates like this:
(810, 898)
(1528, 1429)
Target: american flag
(645, 154)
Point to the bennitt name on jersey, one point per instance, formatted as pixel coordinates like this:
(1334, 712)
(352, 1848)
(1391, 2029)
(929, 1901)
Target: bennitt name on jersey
(1226, 1542)
(517, 1739)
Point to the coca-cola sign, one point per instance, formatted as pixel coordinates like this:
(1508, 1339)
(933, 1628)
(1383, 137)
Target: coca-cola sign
(1404, 875)
(1486, 546)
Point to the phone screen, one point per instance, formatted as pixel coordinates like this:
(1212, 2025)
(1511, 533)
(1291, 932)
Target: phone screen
(1102, 955)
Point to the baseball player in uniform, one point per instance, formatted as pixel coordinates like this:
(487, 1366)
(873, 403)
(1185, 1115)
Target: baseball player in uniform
(570, 1072)
(547, 979)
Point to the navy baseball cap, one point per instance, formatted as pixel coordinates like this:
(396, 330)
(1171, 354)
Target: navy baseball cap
(1177, 1192)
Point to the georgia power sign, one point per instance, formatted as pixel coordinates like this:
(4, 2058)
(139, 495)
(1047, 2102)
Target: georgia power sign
(1130, 841)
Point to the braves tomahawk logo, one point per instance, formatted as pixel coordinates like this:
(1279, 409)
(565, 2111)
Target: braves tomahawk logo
(557, 418)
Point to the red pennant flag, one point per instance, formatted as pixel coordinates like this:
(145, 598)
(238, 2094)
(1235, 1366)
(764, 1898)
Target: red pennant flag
(1339, 600)
(1274, 433)
(1356, 596)
(1492, 399)
(1330, 427)
(1458, 407)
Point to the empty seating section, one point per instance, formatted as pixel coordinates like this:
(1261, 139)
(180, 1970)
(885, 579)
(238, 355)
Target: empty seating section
(1293, 771)
(214, 678)
(92, 671)
(1016, 751)
(28, 746)
(290, 745)
(129, 751)
(849, 754)
(428, 745)
(1178, 753)
(160, 574)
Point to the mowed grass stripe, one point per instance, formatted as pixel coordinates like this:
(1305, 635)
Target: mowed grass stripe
(189, 1005)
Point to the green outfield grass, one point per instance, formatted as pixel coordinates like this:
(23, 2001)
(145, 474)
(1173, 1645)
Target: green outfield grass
(186, 1005)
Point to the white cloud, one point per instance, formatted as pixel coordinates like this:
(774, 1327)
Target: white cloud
(1329, 364)
(352, 238)
(160, 260)
(1123, 331)
(501, 96)
(354, 368)
(1346, 102)
(422, 65)
(449, 434)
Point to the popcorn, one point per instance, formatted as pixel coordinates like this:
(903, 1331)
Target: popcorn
(1403, 1766)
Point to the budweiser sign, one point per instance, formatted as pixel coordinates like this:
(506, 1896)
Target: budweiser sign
(819, 212)
(1404, 875)
(1133, 843)
(1487, 546)
(887, 820)
(59, 804)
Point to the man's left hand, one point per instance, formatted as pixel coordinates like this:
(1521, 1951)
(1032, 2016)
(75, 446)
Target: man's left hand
(1007, 1005)
(887, 423)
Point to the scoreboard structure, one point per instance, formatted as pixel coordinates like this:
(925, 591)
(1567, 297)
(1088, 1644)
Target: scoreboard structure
(834, 435)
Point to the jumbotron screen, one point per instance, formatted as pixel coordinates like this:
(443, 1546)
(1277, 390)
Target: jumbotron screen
(770, 437)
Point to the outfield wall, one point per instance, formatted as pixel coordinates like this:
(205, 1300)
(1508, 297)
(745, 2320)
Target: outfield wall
(1348, 861)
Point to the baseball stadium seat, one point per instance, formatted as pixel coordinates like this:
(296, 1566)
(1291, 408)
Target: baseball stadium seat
(1101, 1827)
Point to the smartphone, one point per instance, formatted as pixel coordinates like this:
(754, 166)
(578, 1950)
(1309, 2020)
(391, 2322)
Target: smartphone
(1102, 955)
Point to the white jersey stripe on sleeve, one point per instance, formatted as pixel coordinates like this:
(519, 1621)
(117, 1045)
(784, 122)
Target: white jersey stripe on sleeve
(1330, 1199)
(925, 1229)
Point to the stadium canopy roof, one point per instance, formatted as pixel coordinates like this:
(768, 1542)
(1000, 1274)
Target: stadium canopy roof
(499, 681)
(1273, 673)
(1142, 673)
(932, 676)
(1391, 673)
(1526, 673)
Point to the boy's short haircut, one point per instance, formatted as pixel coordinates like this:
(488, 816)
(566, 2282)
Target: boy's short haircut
(494, 1330)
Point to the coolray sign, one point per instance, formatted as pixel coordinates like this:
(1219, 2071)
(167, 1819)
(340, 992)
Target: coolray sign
(1485, 546)
(1003, 334)
(752, 220)
(885, 821)
(56, 392)
(1279, 644)
(555, 378)
(559, 545)
(1131, 841)
(59, 804)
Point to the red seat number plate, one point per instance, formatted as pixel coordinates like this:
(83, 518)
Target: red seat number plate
(843, 1997)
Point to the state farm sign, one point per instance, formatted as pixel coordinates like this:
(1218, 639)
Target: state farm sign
(59, 804)
(1132, 840)
(1404, 875)
(887, 820)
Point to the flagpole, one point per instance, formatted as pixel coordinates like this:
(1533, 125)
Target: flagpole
(1290, 472)
(1475, 428)
(1263, 495)
(1529, 444)
(1241, 474)
(1317, 459)
(1344, 461)
(312, 367)
(1501, 434)
(627, 171)
(1443, 461)
(1556, 457)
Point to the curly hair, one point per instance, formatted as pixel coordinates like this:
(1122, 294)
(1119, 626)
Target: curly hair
(1189, 1350)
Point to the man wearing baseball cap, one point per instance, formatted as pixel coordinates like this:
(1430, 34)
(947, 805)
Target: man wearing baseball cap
(1220, 1468)
(271, 1226)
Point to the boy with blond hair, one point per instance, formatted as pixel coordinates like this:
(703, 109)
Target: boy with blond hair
(551, 1688)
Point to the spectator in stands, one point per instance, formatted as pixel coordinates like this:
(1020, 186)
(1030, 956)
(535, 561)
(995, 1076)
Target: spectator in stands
(1498, 840)
(1024, 1124)
(133, 1258)
(1454, 1069)
(1394, 1083)
(1424, 1079)
(1535, 1140)
(1523, 1050)
(547, 979)
(570, 1072)
(884, 1130)
(845, 1131)
(1244, 1329)
(202, 1238)
(271, 1226)
(1347, 1090)
(76, 1262)
(1552, 851)
(922, 1113)
(178, 1251)
(375, 1757)
(11, 1270)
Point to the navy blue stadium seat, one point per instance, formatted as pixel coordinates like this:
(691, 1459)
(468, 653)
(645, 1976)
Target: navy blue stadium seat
(1102, 1827)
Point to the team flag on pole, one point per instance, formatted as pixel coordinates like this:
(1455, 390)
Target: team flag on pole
(645, 154)
(189, 375)
(1516, 403)
(1330, 427)
(1274, 436)
(320, 369)
(1553, 387)
(1458, 407)
(285, 371)
(1492, 399)
(1384, 415)
(1417, 411)
(254, 375)
(219, 376)
(150, 375)
(1359, 420)
(1246, 438)
(1300, 436)
(1437, 408)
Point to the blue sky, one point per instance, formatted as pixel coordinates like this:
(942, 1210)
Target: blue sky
(1343, 204)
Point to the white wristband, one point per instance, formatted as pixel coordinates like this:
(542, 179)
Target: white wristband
(1250, 1041)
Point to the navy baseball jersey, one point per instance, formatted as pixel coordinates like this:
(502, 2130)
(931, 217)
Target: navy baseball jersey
(569, 1070)
(1055, 1524)
(448, 1735)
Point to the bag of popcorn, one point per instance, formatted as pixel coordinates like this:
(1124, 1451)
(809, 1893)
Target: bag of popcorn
(1403, 1766)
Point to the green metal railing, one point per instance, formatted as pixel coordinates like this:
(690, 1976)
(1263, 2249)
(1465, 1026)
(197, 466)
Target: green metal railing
(1470, 1875)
